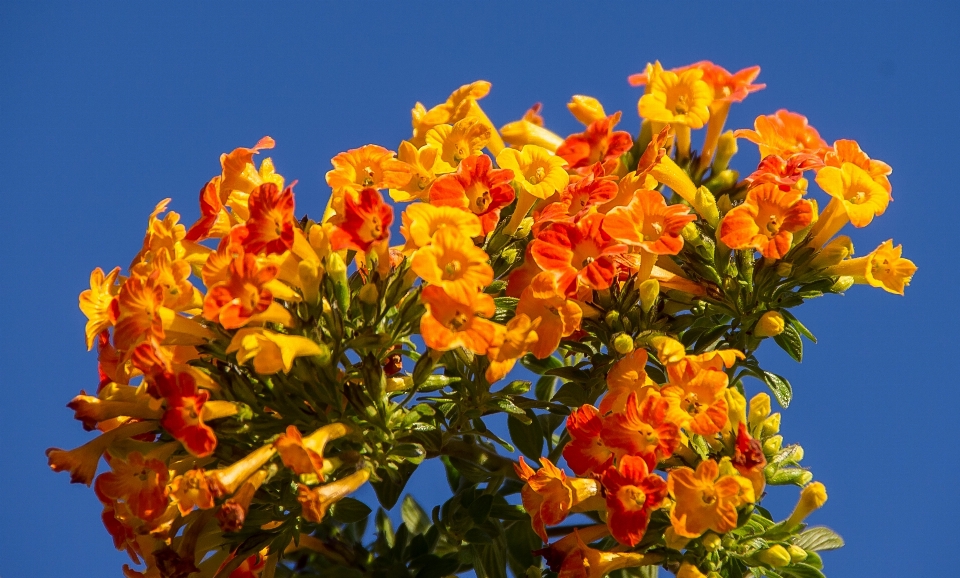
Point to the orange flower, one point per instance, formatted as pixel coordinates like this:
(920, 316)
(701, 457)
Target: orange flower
(421, 222)
(642, 429)
(183, 416)
(632, 492)
(422, 162)
(82, 462)
(518, 338)
(242, 295)
(191, 491)
(460, 104)
(626, 377)
(364, 224)
(784, 173)
(305, 455)
(696, 398)
(705, 500)
(453, 263)
(316, 502)
(271, 223)
(580, 254)
(677, 98)
(215, 221)
(141, 483)
(173, 276)
(648, 223)
(138, 318)
(559, 317)
(857, 199)
(784, 133)
(476, 187)
(766, 221)
(240, 176)
(727, 86)
(98, 303)
(884, 268)
(586, 562)
(586, 453)
(549, 496)
(848, 151)
(598, 144)
(370, 166)
(449, 323)
(465, 138)
(749, 460)
(577, 198)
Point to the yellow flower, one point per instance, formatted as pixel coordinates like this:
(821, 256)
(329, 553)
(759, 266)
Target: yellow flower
(316, 502)
(812, 498)
(771, 324)
(539, 174)
(97, 303)
(465, 138)
(530, 130)
(453, 263)
(422, 162)
(586, 109)
(857, 199)
(679, 99)
(421, 221)
(509, 345)
(883, 268)
(271, 351)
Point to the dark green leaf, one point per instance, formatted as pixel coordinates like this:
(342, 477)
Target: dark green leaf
(349, 510)
(819, 538)
(414, 516)
(391, 485)
(540, 366)
(527, 437)
(790, 342)
(545, 388)
(570, 394)
(517, 387)
(800, 327)
(480, 508)
(511, 408)
(780, 387)
(477, 536)
(802, 570)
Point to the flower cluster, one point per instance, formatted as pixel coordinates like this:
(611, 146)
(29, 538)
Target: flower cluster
(256, 369)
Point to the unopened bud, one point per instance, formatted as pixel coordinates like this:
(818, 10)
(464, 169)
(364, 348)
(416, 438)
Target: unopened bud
(337, 270)
(649, 291)
(399, 383)
(691, 234)
(797, 554)
(759, 409)
(509, 255)
(673, 540)
(724, 204)
(706, 206)
(784, 269)
(792, 454)
(772, 445)
(711, 542)
(812, 498)
(623, 343)
(832, 253)
(668, 350)
(586, 109)
(770, 325)
(612, 318)
(770, 426)
(726, 148)
(524, 229)
(775, 556)
(784, 476)
(369, 294)
(842, 284)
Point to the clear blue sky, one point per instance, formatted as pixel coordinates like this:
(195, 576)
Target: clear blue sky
(104, 111)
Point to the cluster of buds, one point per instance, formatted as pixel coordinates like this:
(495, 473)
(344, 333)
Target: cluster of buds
(256, 369)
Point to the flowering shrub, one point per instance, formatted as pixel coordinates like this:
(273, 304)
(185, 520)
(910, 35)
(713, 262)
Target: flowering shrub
(255, 370)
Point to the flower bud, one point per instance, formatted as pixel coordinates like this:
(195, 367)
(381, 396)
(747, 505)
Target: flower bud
(705, 204)
(649, 291)
(399, 383)
(784, 476)
(770, 426)
(623, 343)
(812, 497)
(770, 325)
(673, 540)
(784, 269)
(586, 109)
(759, 409)
(726, 148)
(711, 542)
(724, 204)
(832, 253)
(772, 445)
(612, 318)
(797, 554)
(691, 234)
(524, 229)
(369, 294)
(775, 556)
(842, 284)
(509, 255)
(337, 270)
(689, 571)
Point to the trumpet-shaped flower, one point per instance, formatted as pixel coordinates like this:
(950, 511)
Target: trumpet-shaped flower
(271, 223)
(271, 352)
(549, 495)
(766, 221)
(451, 261)
(598, 144)
(785, 173)
(449, 323)
(580, 254)
(304, 455)
(537, 171)
(316, 501)
(422, 162)
(476, 187)
(421, 221)
(705, 500)
(862, 197)
(530, 130)
(215, 221)
(465, 138)
(365, 222)
(696, 398)
(559, 316)
(517, 339)
(98, 303)
(240, 176)
(586, 109)
(642, 429)
(649, 224)
(586, 562)
(183, 417)
(848, 151)
(883, 268)
(191, 491)
(138, 318)
(461, 103)
(367, 167)
(234, 301)
(577, 198)
(749, 460)
(586, 454)
(627, 376)
(784, 133)
(82, 462)
(141, 483)
(677, 98)
(632, 493)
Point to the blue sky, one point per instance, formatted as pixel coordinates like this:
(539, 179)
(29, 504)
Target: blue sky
(104, 111)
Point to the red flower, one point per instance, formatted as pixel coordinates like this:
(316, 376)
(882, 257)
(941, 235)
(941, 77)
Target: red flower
(784, 173)
(214, 219)
(642, 429)
(599, 143)
(271, 221)
(182, 417)
(577, 254)
(139, 482)
(632, 493)
(576, 200)
(476, 187)
(234, 301)
(586, 452)
(364, 223)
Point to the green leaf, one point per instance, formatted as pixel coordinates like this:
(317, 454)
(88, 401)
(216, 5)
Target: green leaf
(349, 510)
(789, 340)
(413, 452)
(800, 327)
(819, 538)
(802, 570)
(780, 387)
(511, 408)
(570, 394)
(480, 508)
(540, 366)
(544, 389)
(477, 536)
(392, 482)
(527, 437)
(516, 387)
(413, 515)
